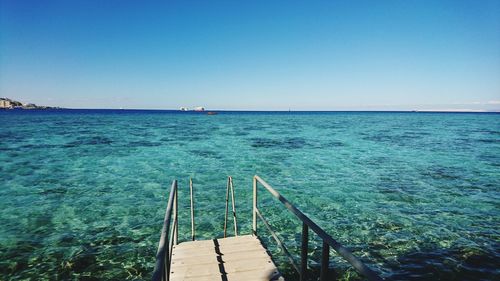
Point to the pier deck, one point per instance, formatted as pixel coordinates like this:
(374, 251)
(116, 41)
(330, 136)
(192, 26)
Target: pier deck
(235, 258)
(239, 258)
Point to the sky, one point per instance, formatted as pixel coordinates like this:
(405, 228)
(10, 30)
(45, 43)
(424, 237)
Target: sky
(252, 55)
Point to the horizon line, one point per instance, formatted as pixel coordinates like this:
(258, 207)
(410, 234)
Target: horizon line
(278, 110)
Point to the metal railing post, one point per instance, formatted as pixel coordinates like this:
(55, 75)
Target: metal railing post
(325, 258)
(192, 208)
(234, 206)
(254, 223)
(176, 225)
(303, 252)
(227, 208)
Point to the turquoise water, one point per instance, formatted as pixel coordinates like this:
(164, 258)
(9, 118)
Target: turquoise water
(414, 195)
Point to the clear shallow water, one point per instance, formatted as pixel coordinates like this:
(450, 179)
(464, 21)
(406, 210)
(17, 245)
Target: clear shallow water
(415, 195)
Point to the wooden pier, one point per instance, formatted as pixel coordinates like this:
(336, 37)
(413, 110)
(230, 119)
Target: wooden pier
(239, 258)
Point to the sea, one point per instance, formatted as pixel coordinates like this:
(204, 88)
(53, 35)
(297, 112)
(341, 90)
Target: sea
(414, 195)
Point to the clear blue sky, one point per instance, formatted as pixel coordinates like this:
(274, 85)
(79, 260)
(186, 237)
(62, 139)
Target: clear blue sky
(312, 55)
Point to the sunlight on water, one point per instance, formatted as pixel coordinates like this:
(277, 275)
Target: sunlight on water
(414, 195)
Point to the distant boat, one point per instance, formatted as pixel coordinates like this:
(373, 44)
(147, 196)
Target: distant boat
(183, 108)
(199, 108)
(212, 113)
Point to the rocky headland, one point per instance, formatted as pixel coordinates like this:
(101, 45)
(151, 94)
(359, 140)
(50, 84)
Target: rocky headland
(6, 103)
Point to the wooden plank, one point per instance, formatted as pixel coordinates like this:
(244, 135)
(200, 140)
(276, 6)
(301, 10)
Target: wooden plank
(216, 258)
(213, 247)
(236, 258)
(229, 267)
(224, 249)
(221, 241)
(256, 275)
(249, 263)
(219, 249)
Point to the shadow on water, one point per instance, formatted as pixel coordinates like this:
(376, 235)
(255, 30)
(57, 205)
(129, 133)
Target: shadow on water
(429, 264)
(445, 264)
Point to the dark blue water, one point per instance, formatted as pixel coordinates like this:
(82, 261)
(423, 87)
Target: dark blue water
(414, 195)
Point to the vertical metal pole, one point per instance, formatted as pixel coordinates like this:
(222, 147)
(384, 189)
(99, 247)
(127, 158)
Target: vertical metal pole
(227, 206)
(234, 207)
(325, 257)
(303, 254)
(168, 254)
(176, 229)
(192, 209)
(254, 224)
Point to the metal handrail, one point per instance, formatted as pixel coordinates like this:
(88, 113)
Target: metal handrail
(278, 241)
(230, 187)
(307, 223)
(192, 209)
(169, 235)
(164, 253)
